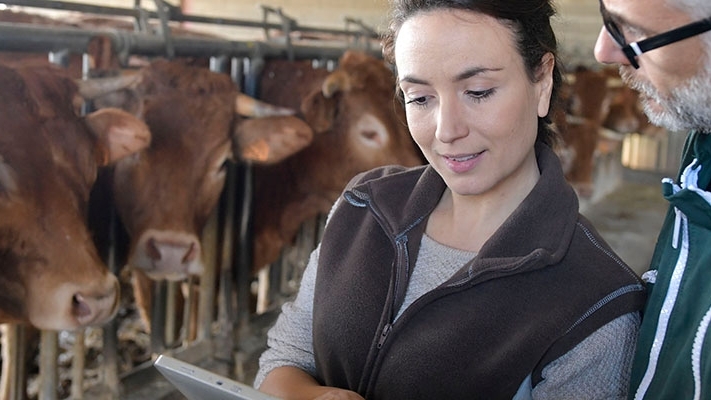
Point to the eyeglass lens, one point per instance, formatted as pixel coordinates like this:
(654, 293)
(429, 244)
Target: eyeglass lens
(611, 26)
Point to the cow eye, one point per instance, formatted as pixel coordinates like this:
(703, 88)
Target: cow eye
(223, 166)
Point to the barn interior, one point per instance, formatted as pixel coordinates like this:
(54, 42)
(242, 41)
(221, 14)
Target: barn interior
(233, 305)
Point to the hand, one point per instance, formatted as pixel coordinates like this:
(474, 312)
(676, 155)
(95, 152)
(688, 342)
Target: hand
(339, 394)
(291, 383)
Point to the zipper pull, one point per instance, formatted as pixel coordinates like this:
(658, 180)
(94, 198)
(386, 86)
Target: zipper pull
(384, 335)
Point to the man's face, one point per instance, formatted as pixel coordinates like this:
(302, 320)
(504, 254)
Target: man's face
(674, 80)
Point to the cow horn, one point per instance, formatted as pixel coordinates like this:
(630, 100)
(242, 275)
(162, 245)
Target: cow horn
(335, 82)
(96, 87)
(247, 106)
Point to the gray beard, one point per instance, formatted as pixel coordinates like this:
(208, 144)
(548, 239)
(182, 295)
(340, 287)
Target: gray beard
(687, 107)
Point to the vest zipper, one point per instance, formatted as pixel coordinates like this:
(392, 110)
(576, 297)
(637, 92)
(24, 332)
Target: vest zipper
(384, 335)
(402, 272)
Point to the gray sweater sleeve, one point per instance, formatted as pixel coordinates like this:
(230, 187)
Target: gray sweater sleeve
(289, 341)
(599, 367)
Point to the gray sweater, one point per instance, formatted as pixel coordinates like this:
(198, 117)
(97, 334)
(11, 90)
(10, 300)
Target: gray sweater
(597, 368)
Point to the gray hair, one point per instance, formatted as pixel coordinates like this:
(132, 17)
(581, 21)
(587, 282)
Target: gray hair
(697, 10)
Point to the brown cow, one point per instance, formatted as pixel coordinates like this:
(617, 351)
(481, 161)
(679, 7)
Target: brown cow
(588, 104)
(165, 193)
(626, 114)
(52, 276)
(358, 125)
(600, 111)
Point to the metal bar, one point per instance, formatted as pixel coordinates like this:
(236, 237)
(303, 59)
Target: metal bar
(224, 337)
(163, 13)
(78, 365)
(13, 377)
(49, 377)
(158, 311)
(110, 344)
(32, 38)
(175, 15)
(206, 298)
(188, 331)
(170, 323)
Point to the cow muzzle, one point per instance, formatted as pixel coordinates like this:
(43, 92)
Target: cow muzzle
(167, 255)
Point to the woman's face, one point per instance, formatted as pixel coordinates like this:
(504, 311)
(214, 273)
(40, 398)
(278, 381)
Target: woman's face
(470, 105)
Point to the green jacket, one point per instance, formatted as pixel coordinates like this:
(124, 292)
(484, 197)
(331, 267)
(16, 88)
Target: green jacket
(673, 358)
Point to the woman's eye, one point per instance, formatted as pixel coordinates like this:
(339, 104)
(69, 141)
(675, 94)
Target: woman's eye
(418, 101)
(479, 94)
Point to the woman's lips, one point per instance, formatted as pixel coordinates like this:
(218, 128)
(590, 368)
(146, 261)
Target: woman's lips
(462, 163)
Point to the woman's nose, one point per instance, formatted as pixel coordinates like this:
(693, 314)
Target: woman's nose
(451, 123)
(607, 51)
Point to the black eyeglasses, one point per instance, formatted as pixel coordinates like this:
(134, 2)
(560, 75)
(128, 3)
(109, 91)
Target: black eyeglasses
(634, 49)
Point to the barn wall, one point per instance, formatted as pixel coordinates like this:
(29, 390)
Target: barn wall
(577, 27)
(577, 24)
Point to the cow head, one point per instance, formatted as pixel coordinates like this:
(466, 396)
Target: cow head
(358, 125)
(355, 110)
(165, 194)
(51, 275)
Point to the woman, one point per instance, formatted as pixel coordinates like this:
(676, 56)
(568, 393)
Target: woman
(475, 276)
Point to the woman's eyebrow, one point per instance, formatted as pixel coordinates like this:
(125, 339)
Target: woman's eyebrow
(468, 73)
(473, 72)
(412, 79)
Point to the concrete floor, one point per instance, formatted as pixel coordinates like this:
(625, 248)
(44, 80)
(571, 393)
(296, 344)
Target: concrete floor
(629, 218)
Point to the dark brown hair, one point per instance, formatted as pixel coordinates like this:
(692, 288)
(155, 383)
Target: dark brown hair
(529, 20)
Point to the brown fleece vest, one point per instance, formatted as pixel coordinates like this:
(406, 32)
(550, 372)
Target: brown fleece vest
(539, 286)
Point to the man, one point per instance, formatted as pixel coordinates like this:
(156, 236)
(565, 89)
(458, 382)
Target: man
(664, 51)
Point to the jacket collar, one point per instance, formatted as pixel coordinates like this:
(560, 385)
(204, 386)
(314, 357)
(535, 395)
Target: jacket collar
(540, 228)
(692, 195)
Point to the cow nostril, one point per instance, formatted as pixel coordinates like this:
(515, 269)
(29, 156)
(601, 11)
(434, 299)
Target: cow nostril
(152, 250)
(80, 307)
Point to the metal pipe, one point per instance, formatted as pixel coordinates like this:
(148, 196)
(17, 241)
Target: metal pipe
(78, 365)
(206, 298)
(158, 311)
(33, 38)
(49, 377)
(13, 377)
(175, 15)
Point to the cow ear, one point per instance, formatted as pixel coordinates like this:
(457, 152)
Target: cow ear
(119, 134)
(8, 179)
(319, 111)
(270, 140)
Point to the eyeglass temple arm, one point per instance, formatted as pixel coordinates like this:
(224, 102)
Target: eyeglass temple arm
(671, 36)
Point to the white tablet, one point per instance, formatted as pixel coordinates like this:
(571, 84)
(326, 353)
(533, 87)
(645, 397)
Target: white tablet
(198, 384)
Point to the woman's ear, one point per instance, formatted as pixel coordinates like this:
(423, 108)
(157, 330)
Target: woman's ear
(545, 84)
